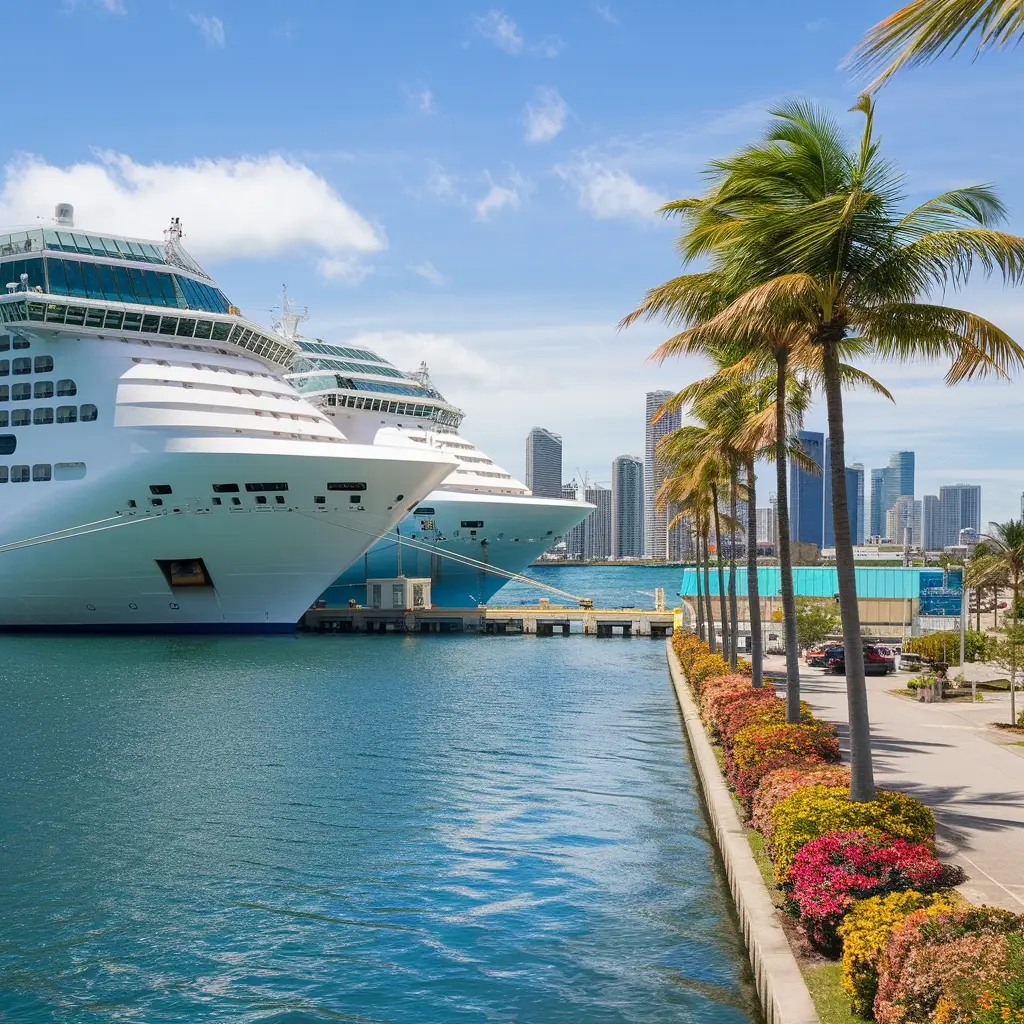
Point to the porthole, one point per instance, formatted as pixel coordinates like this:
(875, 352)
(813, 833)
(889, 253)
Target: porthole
(8, 444)
(88, 413)
(66, 388)
(43, 389)
(42, 415)
(41, 472)
(44, 364)
(20, 474)
(134, 607)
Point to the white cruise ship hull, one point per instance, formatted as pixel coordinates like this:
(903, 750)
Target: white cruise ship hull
(515, 531)
(265, 563)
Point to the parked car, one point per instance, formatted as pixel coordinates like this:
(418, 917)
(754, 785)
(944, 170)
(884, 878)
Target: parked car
(877, 662)
(909, 661)
(813, 652)
(828, 653)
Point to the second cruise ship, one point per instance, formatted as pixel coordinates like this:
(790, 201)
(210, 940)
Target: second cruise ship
(156, 470)
(471, 534)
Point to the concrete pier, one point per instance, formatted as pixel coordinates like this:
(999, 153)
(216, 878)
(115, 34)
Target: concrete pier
(548, 620)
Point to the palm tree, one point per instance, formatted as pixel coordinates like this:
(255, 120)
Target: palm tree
(821, 230)
(925, 29)
(1002, 564)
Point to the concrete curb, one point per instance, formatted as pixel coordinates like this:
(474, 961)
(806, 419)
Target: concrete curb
(780, 985)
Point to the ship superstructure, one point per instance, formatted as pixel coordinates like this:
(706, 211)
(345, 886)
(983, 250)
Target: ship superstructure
(156, 470)
(469, 534)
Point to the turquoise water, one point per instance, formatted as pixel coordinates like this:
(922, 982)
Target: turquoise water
(610, 586)
(421, 829)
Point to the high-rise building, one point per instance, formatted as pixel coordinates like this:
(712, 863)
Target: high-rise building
(876, 520)
(905, 514)
(806, 492)
(887, 485)
(544, 463)
(576, 538)
(656, 520)
(766, 526)
(627, 507)
(597, 541)
(959, 509)
(855, 501)
(931, 523)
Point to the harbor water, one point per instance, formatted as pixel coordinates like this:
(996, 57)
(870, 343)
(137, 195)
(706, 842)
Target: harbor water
(409, 829)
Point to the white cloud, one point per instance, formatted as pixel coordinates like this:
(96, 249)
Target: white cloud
(247, 207)
(423, 100)
(609, 193)
(441, 184)
(605, 13)
(211, 28)
(498, 28)
(546, 119)
(343, 268)
(445, 357)
(429, 272)
(499, 196)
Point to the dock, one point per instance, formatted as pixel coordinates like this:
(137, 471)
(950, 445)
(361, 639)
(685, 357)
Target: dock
(539, 620)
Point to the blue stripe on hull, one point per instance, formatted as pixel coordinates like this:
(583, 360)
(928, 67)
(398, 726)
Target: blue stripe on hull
(156, 628)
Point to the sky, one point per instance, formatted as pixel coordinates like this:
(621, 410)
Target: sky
(476, 186)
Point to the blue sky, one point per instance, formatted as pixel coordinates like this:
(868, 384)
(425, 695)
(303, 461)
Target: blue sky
(475, 185)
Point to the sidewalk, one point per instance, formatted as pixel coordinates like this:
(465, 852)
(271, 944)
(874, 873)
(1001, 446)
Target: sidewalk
(947, 756)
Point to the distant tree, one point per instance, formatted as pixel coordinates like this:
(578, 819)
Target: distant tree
(816, 621)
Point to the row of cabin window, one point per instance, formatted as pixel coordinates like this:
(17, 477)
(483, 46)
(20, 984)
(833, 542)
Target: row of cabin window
(43, 364)
(42, 389)
(39, 473)
(5, 343)
(45, 414)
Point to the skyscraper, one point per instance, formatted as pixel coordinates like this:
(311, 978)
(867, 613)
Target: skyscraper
(905, 514)
(656, 520)
(806, 493)
(887, 485)
(876, 527)
(931, 523)
(766, 526)
(576, 538)
(544, 463)
(627, 507)
(959, 509)
(855, 501)
(597, 541)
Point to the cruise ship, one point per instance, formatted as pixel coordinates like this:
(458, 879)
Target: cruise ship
(470, 535)
(157, 472)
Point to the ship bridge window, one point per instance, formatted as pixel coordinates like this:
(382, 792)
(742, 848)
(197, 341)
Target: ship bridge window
(5, 346)
(345, 485)
(21, 366)
(44, 364)
(159, 488)
(87, 413)
(423, 511)
(21, 418)
(11, 273)
(42, 472)
(225, 488)
(21, 392)
(3, 474)
(20, 343)
(20, 474)
(42, 415)
(66, 388)
(43, 389)
(8, 443)
(67, 413)
(5, 367)
(266, 487)
(474, 524)
(3, 418)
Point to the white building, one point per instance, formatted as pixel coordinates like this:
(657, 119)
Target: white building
(656, 520)
(627, 507)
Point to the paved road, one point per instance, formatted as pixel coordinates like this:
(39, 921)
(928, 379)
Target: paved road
(947, 755)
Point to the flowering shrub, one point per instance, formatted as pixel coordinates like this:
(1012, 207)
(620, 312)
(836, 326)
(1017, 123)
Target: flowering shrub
(817, 810)
(912, 977)
(935, 973)
(718, 704)
(760, 749)
(864, 933)
(832, 871)
(783, 782)
(1005, 1005)
(704, 667)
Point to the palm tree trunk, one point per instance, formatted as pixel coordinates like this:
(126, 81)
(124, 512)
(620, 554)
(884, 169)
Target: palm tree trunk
(695, 536)
(862, 780)
(753, 598)
(1013, 652)
(721, 571)
(710, 613)
(785, 554)
(734, 644)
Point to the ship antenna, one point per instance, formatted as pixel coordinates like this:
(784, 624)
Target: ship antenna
(172, 236)
(291, 316)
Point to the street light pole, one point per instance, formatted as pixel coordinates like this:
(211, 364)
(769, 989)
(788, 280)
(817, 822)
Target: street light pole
(963, 635)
